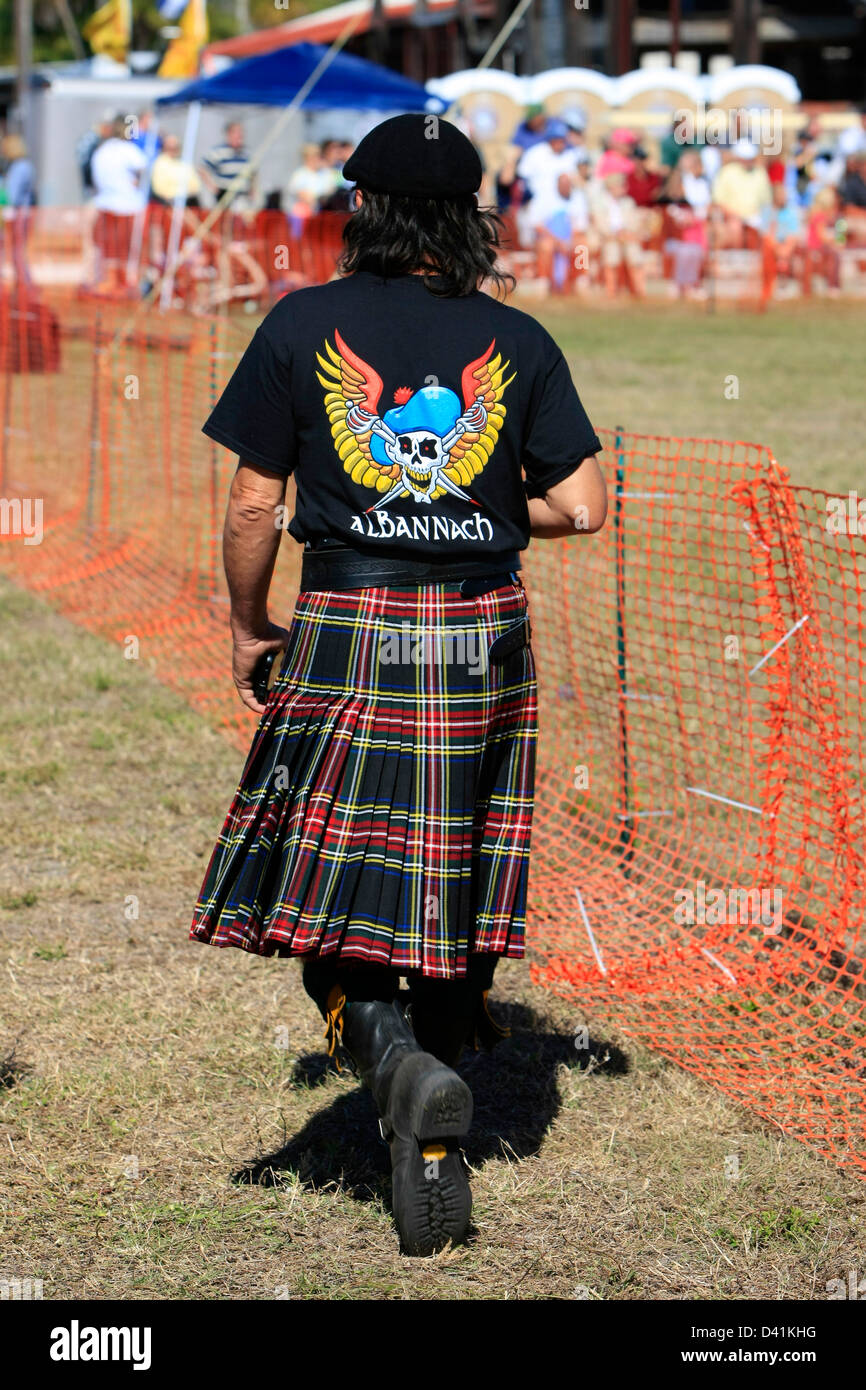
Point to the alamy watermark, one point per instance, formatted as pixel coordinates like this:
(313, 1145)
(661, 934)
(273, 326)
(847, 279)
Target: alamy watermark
(729, 907)
(408, 647)
(22, 516)
(715, 125)
(17, 1290)
(846, 517)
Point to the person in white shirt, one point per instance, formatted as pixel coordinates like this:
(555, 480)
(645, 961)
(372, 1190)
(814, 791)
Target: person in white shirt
(311, 182)
(696, 187)
(560, 221)
(541, 166)
(116, 169)
(853, 138)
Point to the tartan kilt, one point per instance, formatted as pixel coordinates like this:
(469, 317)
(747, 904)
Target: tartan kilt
(385, 808)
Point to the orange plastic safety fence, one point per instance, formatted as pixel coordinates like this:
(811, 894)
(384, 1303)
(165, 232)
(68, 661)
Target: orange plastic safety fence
(698, 869)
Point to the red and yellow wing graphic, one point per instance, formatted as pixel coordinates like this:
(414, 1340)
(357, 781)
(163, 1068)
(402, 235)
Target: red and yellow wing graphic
(470, 454)
(349, 381)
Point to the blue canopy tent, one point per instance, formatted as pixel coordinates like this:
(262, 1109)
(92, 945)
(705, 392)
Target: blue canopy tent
(277, 79)
(274, 78)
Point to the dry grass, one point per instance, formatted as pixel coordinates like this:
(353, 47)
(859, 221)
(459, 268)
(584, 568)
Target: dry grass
(149, 1072)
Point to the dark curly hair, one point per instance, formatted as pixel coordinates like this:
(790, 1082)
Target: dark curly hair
(452, 238)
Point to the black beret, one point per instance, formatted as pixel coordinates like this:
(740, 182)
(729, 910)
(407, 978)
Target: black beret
(419, 155)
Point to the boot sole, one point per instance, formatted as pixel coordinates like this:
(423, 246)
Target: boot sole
(431, 1195)
(441, 1103)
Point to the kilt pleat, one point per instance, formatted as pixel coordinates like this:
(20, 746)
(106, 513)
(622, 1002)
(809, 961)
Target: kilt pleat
(384, 810)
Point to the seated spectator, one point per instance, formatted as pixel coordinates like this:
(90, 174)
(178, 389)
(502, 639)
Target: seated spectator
(781, 220)
(616, 220)
(826, 170)
(575, 144)
(171, 176)
(644, 182)
(806, 147)
(334, 156)
(618, 157)
(695, 184)
(742, 190)
(560, 221)
(781, 224)
(511, 189)
(532, 129)
(671, 148)
(311, 182)
(821, 242)
(712, 157)
(852, 189)
(539, 167)
(853, 138)
(686, 227)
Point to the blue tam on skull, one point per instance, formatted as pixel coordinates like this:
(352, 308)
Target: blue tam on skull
(433, 409)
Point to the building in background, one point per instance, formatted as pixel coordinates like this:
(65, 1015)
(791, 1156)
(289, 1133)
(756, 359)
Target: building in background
(823, 45)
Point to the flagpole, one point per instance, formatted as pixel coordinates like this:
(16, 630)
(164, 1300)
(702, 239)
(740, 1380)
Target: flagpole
(70, 30)
(187, 154)
(136, 241)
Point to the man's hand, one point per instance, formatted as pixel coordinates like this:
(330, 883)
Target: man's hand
(250, 542)
(247, 651)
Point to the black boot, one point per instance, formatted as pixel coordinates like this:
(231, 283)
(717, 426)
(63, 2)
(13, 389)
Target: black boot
(425, 1111)
(447, 1015)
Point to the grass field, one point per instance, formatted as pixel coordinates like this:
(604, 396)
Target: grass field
(170, 1125)
(663, 371)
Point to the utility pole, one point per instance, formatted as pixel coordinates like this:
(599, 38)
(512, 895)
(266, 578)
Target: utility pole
(552, 37)
(24, 62)
(619, 14)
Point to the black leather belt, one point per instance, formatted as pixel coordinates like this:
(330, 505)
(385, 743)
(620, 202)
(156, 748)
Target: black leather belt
(339, 567)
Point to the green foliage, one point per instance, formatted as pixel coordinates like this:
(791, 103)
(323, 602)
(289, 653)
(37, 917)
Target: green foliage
(50, 952)
(13, 902)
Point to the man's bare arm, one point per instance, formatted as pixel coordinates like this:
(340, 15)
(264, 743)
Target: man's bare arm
(577, 504)
(251, 539)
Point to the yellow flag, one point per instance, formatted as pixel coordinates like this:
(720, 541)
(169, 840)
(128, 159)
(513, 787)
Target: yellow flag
(182, 55)
(109, 29)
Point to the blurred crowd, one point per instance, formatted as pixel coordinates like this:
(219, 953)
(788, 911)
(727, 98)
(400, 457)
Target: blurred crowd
(591, 216)
(125, 175)
(131, 177)
(577, 218)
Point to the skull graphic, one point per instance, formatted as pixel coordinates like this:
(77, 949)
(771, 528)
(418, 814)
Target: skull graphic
(418, 437)
(420, 455)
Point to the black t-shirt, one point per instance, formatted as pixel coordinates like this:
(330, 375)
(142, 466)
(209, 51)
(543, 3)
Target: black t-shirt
(406, 417)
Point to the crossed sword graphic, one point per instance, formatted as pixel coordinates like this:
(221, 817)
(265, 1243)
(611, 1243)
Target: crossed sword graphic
(471, 421)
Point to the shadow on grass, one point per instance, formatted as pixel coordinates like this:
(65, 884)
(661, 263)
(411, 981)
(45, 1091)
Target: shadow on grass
(515, 1093)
